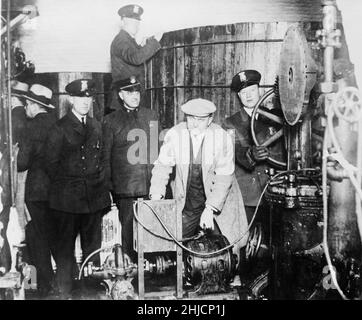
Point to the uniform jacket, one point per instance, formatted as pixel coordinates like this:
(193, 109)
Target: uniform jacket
(74, 161)
(127, 57)
(127, 134)
(250, 175)
(19, 122)
(221, 189)
(31, 156)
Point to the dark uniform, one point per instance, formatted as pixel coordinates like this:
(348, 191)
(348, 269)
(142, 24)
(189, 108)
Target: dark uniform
(128, 181)
(31, 157)
(78, 194)
(18, 117)
(127, 57)
(250, 174)
(19, 122)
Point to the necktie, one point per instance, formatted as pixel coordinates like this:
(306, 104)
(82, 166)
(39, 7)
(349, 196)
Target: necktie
(83, 122)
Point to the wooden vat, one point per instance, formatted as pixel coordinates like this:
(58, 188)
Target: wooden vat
(200, 62)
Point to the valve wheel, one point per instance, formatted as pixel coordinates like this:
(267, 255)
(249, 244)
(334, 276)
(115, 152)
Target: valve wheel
(272, 117)
(347, 104)
(254, 242)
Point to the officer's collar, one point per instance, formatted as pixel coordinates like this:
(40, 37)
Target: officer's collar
(129, 110)
(128, 34)
(78, 116)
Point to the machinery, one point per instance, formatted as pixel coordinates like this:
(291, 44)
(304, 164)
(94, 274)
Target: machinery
(311, 246)
(318, 109)
(312, 242)
(203, 264)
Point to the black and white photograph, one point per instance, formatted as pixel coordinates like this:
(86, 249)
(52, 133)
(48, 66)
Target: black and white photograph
(195, 152)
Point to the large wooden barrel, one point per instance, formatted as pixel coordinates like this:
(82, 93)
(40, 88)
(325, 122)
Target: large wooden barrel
(200, 62)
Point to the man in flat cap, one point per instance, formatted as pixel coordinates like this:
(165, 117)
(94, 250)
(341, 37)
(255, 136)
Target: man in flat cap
(205, 187)
(31, 157)
(127, 56)
(128, 151)
(78, 194)
(250, 160)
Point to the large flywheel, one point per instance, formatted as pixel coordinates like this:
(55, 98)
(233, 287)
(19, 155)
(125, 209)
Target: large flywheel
(297, 75)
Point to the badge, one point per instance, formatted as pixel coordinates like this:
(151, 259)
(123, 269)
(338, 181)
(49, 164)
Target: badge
(242, 76)
(84, 85)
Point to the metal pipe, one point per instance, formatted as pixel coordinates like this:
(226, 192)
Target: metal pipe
(15, 22)
(28, 12)
(329, 39)
(8, 105)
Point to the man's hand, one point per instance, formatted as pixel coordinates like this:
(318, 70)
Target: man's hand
(207, 219)
(259, 153)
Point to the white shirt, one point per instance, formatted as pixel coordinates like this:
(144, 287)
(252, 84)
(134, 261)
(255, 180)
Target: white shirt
(79, 117)
(196, 142)
(249, 111)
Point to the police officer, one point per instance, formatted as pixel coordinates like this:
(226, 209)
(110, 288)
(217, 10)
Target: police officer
(128, 152)
(31, 157)
(127, 57)
(78, 195)
(250, 159)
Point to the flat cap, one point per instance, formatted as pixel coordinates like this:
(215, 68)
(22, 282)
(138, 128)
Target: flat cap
(133, 11)
(245, 79)
(128, 84)
(81, 88)
(198, 107)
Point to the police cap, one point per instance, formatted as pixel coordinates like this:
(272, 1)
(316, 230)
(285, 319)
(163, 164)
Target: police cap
(128, 84)
(81, 88)
(131, 11)
(245, 79)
